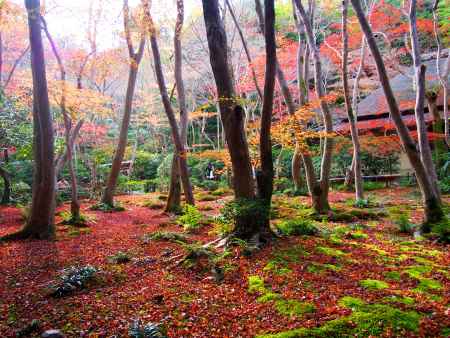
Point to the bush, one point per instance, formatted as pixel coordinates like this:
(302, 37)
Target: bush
(72, 279)
(149, 330)
(120, 257)
(442, 230)
(190, 220)
(243, 209)
(300, 226)
(166, 236)
(401, 220)
(370, 185)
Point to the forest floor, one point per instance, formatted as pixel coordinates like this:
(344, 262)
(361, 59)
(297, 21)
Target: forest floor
(363, 278)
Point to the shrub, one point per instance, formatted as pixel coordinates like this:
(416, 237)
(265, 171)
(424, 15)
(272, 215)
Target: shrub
(107, 208)
(166, 236)
(442, 230)
(149, 330)
(369, 185)
(401, 220)
(72, 279)
(256, 285)
(190, 219)
(300, 226)
(248, 209)
(120, 257)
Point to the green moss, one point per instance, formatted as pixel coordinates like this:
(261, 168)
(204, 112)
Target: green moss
(269, 296)
(446, 332)
(298, 226)
(399, 299)
(358, 235)
(277, 266)
(424, 261)
(427, 284)
(365, 320)
(393, 275)
(256, 285)
(351, 302)
(418, 271)
(373, 284)
(376, 249)
(292, 307)
(330, 251)
(321, 268)
(292, 254)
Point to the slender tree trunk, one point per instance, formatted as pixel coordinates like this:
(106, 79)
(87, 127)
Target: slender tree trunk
(296, 166)
(442, 74)
(62, 158)
(247, 51)
(265, 176)
(420, 69)
(232, 114)
(178, 141)
(6, 197)
(40, 223)
(135, 59)
(15, 65)
(432, 204)
(348, 106)
(233, 120)
(174, 198)
(74, 204)
(320, 200)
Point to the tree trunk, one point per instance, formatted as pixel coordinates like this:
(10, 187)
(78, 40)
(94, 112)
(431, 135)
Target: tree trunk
(178, 141)
(232, 119)
(62, 158)
(135, 59)
(6, 197)
(231, 112)
(432, 204)
(297, 168)
(174, 199)
(74, 204)
(265, 176)
(443, 76)
(420, 69)
(247, 51)
(439, 145)
(40, 224)
(321, 189)
(348, 106)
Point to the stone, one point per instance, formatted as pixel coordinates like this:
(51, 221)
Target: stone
(52, 334)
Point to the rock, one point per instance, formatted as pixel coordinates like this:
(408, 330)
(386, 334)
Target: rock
(52, 334)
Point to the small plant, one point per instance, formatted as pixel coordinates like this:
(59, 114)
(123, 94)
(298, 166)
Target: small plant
(166, 236)
(205, 197)
(256, 285)
(300, 226)
(72, 279)
(107, 208)
(401, 220)
(218, 192)
(80, 221)
(149, 330)
(120, 257)
(190, 220)
(442, 230)
(154, 205)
